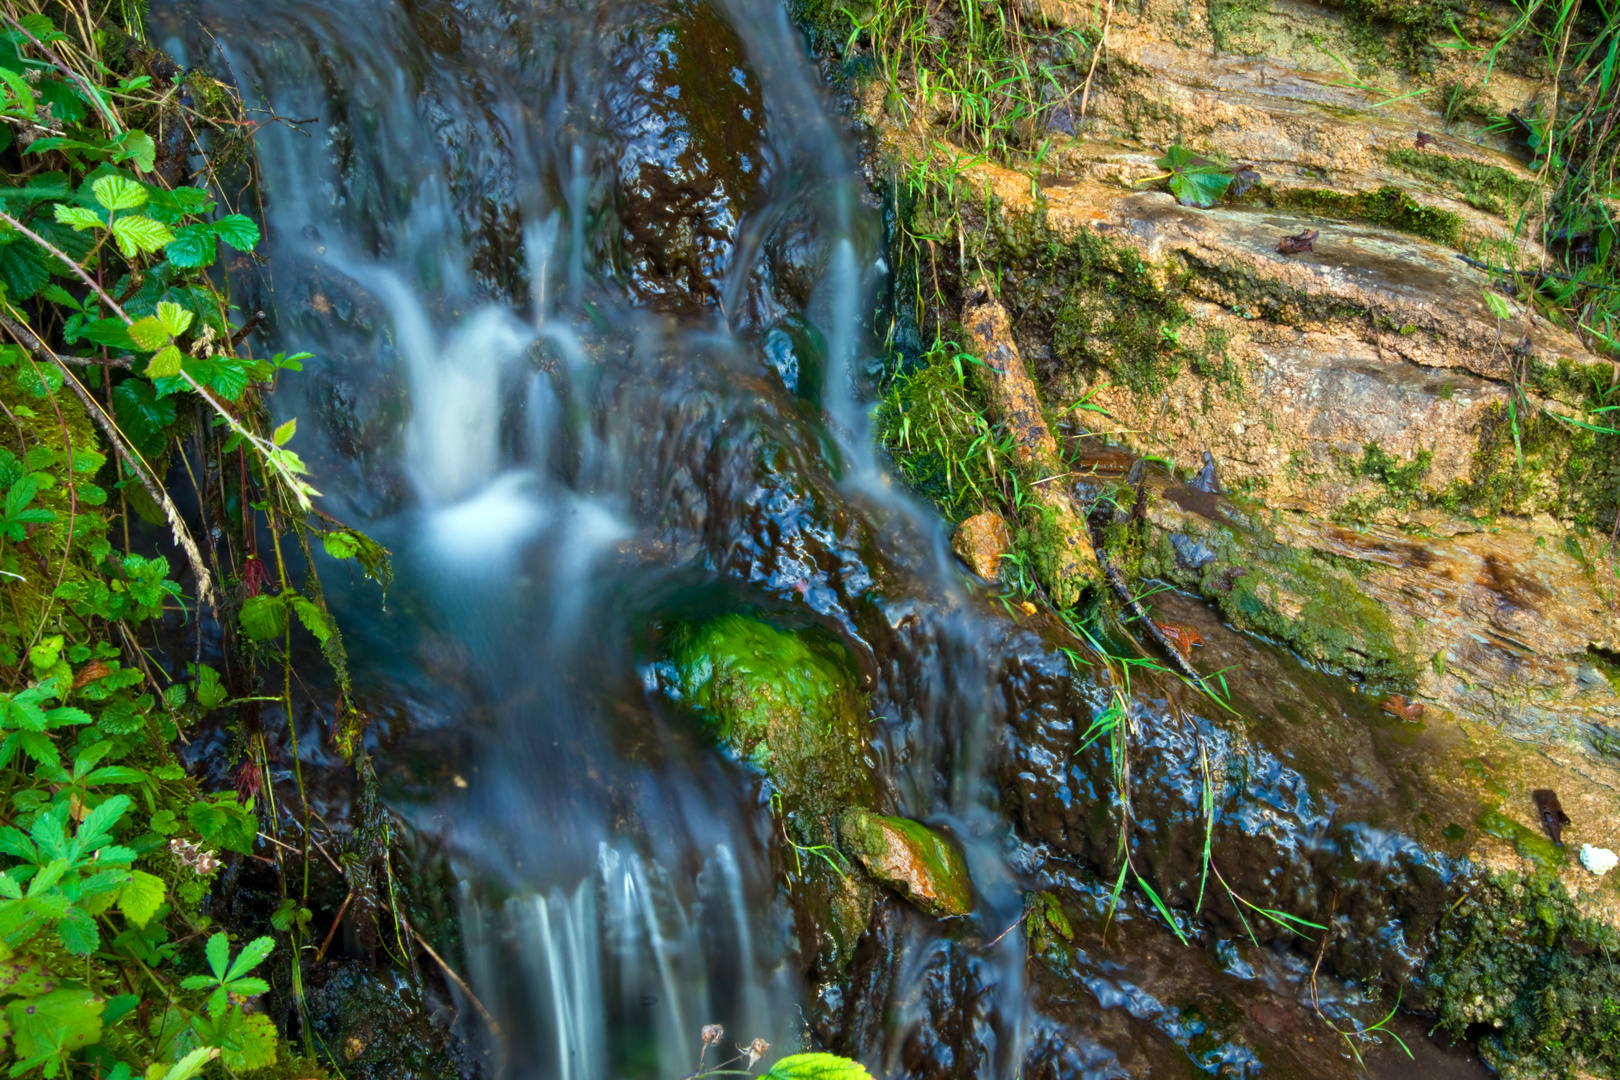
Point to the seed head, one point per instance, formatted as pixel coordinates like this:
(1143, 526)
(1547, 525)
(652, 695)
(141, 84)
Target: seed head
(756, 1050)
(712, 1034)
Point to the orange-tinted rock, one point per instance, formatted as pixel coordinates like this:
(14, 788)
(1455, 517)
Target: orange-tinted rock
(980, 541)
(909, 858)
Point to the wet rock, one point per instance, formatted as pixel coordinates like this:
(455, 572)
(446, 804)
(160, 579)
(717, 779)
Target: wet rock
(786, 703)
(909, 858)
(980, 541)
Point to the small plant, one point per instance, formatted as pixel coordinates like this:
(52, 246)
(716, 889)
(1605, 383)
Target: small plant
(810, 1066)
(1193, 180)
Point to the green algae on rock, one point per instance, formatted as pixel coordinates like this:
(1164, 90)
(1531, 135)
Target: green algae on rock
(784, 701)
(910, 858)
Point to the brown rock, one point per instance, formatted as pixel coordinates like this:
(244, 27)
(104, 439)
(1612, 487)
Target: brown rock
(980, 541)
(1012, 394)
(910, 858)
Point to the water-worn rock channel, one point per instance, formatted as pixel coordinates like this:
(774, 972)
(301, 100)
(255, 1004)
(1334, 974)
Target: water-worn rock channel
(690, 691)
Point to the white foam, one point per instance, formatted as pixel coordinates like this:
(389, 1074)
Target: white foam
(1598, 860)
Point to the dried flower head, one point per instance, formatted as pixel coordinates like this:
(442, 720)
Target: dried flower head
(756, 1050)
(712, 1034)
(189, 854)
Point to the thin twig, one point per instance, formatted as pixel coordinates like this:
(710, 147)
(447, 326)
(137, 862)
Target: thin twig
(1536, 274)
(336, 922)
(494, 1028)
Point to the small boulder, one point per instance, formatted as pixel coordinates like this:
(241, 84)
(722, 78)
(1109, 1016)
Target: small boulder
(909, 858)
(980, 541)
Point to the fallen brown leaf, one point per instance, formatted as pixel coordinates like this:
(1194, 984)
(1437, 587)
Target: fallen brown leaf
(1398, 705)
(88, 674)
(1185, 638)
(1293, 245)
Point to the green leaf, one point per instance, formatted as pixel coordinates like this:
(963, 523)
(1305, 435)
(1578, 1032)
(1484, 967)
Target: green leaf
(62, 1021)
(136, 146)
(79, 217)
(285, 432)
(264, 617)
(208, 690)
(141, 897)
(218, 951)
(1194, 180)
(340, 545)
(251, 956)
(137, 235)
(192, 247)
(77, 932)
(248, 1040)
(175, 319)
(818, 1067)
(1498, 305)
(112, 333)
(118, 193)
(314, 619)
(167, 362)
(192, 1064)
(149, 333)
(238, 231)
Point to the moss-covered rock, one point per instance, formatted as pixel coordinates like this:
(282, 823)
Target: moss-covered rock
(910, 858)
(786, 702)
(783, 701)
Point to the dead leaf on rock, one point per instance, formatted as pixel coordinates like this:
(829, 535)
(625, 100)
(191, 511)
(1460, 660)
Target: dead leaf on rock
(1398, 705)
(1185, 638)
(1300, 242)
(1424, 139)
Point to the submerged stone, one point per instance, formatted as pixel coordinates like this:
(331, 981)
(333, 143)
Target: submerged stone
(910, 858)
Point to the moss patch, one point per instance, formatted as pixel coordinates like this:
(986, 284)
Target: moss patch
(910, 858)
(1516, 955)
(1388, 207)
(1484, 187)
(781, 700)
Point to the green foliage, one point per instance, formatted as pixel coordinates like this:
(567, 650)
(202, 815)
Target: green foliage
(1194, 180)
(817, 1067)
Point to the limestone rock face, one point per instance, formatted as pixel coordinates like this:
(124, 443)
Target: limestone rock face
(909, 858)
(980, 541)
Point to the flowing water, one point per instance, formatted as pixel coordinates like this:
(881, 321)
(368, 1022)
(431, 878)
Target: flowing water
(588, 286)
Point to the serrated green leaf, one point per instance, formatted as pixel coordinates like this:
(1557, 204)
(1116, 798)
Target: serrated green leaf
(166, 363)
(1498, 305)
(140, 235)
(1194, 180)
(264, 617)
(175, 319)
(141, 897)
(218, 951)
(62, 1021)
(313, 618)
(118, 193)
(340, 545)
(286, 432)
(149, 333)
(136, 146)
(251, 956)
(818, 1067)
(237, 230)
(79, 217)
(192, 246)
(247, 1039)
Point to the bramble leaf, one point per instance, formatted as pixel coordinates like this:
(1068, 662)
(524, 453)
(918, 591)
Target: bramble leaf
(167, 362)
(81, 218)
(237, 230)
(149, 333)
(264, 617)
(141, 897)
(140, 235)
(118, 193)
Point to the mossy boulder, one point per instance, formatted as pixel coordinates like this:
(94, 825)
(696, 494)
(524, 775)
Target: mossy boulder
(787, 703)
(781, 700)
(910, 858)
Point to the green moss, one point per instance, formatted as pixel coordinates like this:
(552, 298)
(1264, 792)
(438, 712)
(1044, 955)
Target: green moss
(932, 424)
(1389, 207)
(1528, 843)
(1516, 956)
(1484, 187)
(1290, 595)
(785, 701)
(1232, 25)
